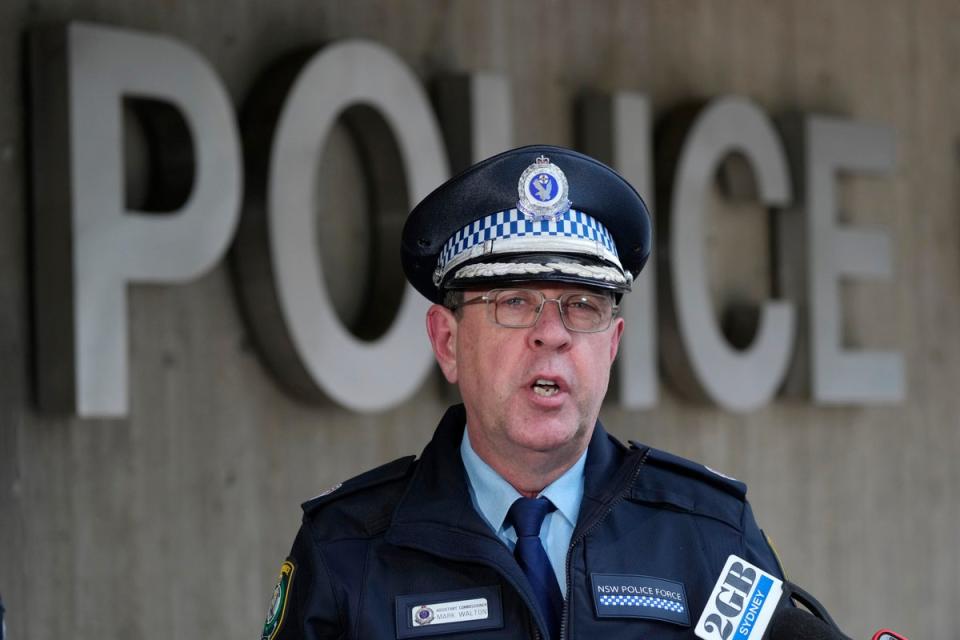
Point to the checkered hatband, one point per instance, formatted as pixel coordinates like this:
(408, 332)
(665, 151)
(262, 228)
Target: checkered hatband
(511, 231)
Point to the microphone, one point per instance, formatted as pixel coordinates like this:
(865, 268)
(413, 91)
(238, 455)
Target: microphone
(747, 603)
(818, 623)
(790, 623)
(746, 600)
(796, 624)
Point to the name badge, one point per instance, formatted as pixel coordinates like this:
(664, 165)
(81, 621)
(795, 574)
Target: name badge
(430, 614)
(627, 596)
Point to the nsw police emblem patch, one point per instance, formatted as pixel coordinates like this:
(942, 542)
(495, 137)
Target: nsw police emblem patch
(278, 603)
(422, 615)
(543, 191)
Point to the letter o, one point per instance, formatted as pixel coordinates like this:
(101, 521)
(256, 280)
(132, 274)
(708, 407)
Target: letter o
(299, 332)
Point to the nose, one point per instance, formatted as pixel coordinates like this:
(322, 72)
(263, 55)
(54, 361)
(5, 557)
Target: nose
(549, 331)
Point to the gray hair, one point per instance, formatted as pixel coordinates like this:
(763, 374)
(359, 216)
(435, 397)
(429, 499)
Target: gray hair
(453, 300)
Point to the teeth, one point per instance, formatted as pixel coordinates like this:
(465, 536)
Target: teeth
(545, 388)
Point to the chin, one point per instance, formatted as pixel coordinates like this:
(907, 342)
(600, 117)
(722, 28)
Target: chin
(550, 435)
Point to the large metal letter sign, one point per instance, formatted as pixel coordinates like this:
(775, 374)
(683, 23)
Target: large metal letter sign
(699, 357)
(833, 146)
(474, 112)
(88, 247)
(616, 129)
(94, 235)
(280, 272)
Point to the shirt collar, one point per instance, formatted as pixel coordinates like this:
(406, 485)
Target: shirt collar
(493, 496)
(566, 492)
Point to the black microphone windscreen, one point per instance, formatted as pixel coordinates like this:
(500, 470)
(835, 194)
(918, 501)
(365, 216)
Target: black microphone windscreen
(796, 624)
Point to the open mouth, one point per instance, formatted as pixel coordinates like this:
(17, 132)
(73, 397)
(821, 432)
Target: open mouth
(545, 388)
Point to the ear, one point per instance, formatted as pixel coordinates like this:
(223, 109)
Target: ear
(442, 330)
(615, 335)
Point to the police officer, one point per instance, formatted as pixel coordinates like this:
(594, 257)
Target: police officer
(522, 518)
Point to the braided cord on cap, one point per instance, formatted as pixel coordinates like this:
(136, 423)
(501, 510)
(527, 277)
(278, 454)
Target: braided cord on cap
(498, 269)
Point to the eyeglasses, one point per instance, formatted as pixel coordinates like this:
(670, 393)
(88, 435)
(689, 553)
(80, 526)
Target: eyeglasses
(520, 308)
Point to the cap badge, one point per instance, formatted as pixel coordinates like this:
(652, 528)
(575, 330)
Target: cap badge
(543, 191)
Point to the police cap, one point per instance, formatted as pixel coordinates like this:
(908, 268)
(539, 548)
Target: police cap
(539, 213)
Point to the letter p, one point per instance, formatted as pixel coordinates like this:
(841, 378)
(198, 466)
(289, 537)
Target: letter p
(88, 245)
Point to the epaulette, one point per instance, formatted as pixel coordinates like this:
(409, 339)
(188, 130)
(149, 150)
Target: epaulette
(372, 478)
(689, 486)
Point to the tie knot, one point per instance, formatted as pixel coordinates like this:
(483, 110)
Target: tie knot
(527, 514)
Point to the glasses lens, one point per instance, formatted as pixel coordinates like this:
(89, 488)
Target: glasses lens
(586, 312)
(516, 307)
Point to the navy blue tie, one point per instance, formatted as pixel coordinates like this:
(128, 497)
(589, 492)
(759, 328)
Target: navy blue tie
(526, 515)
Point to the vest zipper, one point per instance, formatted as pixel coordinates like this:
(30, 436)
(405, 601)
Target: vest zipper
(583, 534)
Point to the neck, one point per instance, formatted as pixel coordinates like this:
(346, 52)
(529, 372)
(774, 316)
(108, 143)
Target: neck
(528, 479)
(529, 472)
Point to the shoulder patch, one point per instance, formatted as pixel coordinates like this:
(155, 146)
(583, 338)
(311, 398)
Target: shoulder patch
(380, 475)
(691, 487)
(773, 549)
(278, 603)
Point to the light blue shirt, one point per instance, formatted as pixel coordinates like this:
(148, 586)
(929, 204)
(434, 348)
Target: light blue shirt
(493, 496)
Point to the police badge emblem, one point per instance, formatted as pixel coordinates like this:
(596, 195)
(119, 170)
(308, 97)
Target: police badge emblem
(543, 191)
(423, 615)
(278, 603)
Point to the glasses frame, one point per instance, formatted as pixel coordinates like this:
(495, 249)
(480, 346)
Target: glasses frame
(491, 297)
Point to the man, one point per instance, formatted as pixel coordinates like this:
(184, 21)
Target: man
(522, 518)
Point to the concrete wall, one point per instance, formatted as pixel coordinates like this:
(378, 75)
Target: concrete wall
(173, 522)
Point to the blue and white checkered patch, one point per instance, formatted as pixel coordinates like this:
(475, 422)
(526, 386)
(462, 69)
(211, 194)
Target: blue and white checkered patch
(514, 224)
(632, 596)
(641, 601)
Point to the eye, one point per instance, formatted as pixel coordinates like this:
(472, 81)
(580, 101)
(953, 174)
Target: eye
(513, 300)
(583, 303)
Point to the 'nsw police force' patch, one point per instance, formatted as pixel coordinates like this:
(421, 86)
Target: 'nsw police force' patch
(627, 596)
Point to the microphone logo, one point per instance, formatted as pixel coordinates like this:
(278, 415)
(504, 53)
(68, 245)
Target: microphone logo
(741, 604)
